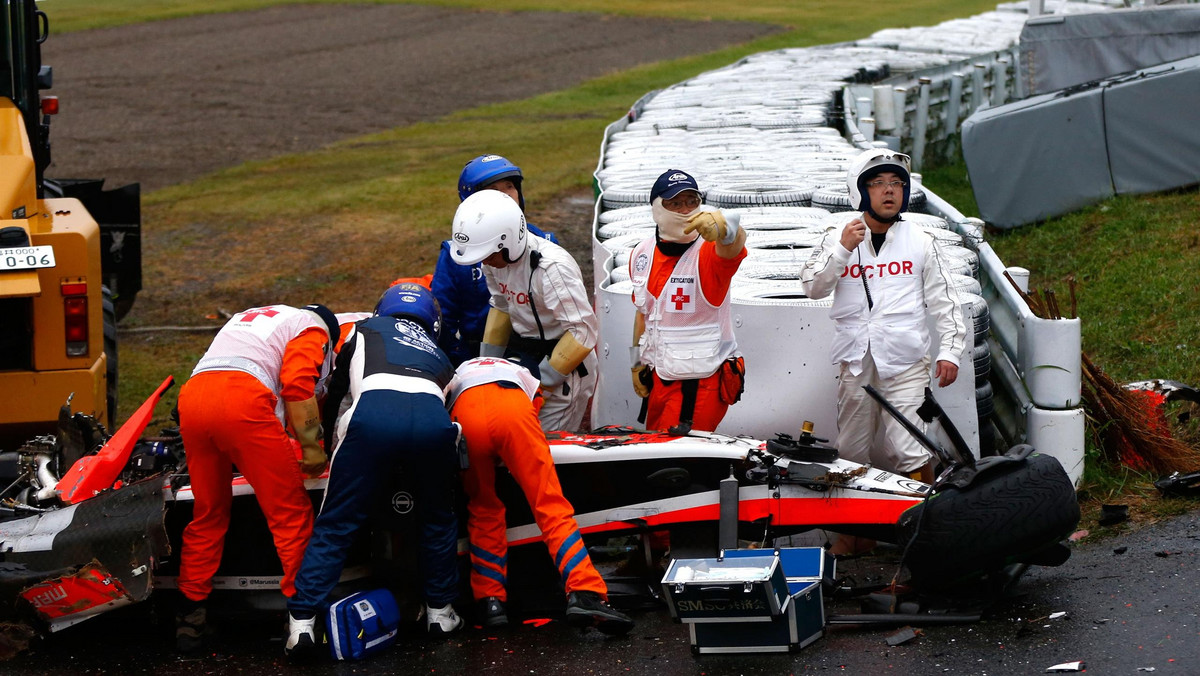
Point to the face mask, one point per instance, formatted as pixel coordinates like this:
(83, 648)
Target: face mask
(671, 224)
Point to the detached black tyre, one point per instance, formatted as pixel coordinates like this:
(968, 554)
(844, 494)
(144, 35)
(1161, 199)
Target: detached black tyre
(1011, 513)
(110, 351)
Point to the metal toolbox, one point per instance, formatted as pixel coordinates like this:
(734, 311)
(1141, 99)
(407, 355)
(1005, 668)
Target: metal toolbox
(802, 620)
(749, 589)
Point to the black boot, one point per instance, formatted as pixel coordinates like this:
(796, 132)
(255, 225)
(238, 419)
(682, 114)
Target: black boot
(492, 612)
(191, 626)
(588, 609)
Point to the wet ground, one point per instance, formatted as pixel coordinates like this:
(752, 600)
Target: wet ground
(1128, 604)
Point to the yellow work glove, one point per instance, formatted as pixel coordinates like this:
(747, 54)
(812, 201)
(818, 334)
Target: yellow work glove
(496, 332)
(641, 376)
(305, 418)
(710, 224)
(568, 354)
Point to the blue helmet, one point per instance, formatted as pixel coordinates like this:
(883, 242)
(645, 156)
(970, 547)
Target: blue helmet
(485, 170)
(412, 301)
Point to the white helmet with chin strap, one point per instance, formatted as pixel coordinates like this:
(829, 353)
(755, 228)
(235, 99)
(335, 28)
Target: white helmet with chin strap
(486, 222)
(870, 164)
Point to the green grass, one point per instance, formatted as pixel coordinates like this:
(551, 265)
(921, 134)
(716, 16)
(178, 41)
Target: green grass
(1134, 258)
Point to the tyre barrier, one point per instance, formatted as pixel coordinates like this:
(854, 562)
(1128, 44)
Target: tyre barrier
(1014, 511)
(984, 406)
(759, 273)
(628, 213)
(831, 199)
(965, 284)
(960, 255)
(978, 312)
(779, 194)
(957, 266)
(981, 356)
(628, 226)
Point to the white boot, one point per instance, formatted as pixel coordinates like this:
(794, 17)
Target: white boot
(442, 620)
(301, 638)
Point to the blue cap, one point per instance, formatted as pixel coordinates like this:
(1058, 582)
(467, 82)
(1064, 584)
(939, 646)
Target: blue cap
(671, 183)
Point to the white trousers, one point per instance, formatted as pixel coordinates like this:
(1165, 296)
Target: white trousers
(861, 419)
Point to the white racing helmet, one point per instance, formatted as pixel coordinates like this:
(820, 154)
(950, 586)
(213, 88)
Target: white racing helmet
(870, 164)
(486, 222)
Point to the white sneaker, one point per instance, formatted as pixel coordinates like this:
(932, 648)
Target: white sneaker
(442, 620)
(301, 638)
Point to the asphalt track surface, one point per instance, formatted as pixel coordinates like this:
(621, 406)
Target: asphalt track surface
(1128, 598)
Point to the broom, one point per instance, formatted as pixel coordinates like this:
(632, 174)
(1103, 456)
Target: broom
(1130, 424)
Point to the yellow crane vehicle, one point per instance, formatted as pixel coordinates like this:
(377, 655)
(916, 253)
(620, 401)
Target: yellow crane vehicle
(70, 257)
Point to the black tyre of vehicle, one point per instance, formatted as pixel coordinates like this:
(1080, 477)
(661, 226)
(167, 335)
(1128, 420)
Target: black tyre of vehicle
(110, 352)
(1008, 514)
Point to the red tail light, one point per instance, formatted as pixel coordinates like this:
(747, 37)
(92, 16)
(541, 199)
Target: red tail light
(75, 318)
(50, 105)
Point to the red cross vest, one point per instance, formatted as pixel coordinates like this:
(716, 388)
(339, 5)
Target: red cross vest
(686, 337)
(254, 341)
(484, 370)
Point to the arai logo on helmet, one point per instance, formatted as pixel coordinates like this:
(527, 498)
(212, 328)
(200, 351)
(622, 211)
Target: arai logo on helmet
(461, 237)
(408, 299)
(677, 177)
(490, 158)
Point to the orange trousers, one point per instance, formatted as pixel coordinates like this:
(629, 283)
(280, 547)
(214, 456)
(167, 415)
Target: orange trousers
(228, 418)
(666, 398)
(501, 424)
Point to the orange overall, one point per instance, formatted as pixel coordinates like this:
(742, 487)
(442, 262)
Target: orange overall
(501, 423)
(229, 418)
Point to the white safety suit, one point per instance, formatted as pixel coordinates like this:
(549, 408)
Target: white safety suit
(885, 342)
(544, 296)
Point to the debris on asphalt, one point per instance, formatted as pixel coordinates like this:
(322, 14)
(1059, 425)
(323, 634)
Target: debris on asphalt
(1055, 616)
(1066, 667)
(1111, 515)
(1163, 554)
(903, 636)
(1120, 550)
(1078, 535)
(1145, 669)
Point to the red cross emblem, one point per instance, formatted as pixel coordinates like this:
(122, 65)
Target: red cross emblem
(251, 314)
(680, 299)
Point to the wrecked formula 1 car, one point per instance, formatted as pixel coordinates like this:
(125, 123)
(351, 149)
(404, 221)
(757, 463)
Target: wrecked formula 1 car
(86, 552)
(76, 547)
(710, 491)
